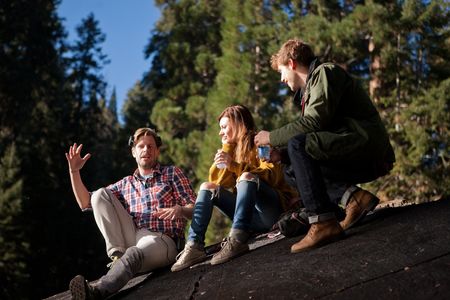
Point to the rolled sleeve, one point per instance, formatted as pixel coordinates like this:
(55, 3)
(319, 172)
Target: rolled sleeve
(183, 190)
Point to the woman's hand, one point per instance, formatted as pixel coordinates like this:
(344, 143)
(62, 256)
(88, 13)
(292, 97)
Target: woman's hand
(222, 157)
(76, 162)
(170, 213)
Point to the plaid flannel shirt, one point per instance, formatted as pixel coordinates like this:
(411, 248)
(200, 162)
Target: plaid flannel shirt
(166, 187)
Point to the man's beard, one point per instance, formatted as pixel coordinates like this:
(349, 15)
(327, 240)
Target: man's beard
(147, 165)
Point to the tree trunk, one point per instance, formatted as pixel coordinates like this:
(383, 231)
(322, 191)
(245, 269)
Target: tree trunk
(375, 65)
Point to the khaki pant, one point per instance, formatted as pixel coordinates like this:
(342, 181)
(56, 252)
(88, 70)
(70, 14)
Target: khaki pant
(120, 232)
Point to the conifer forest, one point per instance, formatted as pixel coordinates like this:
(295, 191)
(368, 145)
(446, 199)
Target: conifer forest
(203, 55)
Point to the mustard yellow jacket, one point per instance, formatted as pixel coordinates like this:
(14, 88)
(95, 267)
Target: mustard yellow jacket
(270, 173)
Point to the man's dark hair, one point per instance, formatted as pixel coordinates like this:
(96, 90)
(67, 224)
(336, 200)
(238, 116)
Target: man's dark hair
(143, 132)
(294, 49)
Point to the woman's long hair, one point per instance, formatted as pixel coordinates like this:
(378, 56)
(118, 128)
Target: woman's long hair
(244, 130)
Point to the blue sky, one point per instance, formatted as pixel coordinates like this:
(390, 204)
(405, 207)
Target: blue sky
(127, 25)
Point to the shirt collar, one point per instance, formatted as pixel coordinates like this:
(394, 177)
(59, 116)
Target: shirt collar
(298, 95)
(156, 170)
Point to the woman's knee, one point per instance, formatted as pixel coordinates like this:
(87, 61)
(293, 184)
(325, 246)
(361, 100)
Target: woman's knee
(208, 191)
(247, 176)
(208, 186)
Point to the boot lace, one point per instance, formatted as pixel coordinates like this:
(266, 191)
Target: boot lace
(312, 230)
(182, 254)
(226, 243)
(114, 259)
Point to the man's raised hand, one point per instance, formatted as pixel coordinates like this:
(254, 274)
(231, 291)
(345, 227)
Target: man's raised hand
(76, 162)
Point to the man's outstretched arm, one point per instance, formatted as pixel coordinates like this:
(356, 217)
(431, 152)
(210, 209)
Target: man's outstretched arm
(76, 163)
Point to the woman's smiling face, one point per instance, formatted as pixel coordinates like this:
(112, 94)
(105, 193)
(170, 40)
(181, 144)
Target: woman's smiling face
(226, 131)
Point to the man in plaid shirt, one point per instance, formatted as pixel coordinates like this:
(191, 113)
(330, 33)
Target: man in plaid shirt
(142, 217)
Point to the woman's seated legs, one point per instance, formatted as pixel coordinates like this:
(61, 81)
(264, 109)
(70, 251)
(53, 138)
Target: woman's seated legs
(202, 213)
(267, 208)
(209, 195)
(257, 205)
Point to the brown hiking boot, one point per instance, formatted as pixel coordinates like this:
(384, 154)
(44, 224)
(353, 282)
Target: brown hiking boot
(360, 203)
(231, 248)
(319, 234)
(192, 254)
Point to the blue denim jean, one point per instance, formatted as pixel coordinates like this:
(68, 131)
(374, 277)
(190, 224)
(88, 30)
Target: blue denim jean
(252, 208)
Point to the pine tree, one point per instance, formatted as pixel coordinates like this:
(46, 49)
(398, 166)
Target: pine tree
(137, 107)
(243, 71)
(34, 104)
(50, 126)
(419, 105)
(399, 41)
(14, 248)
(112, 104)
(98, 123)
(184, 46)
(249, 33)
(87, 61)
(425, 155)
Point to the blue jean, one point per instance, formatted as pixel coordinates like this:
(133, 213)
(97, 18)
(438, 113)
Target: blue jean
(252, 208)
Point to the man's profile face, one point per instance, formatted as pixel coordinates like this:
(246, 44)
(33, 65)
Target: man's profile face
(145, 152)
(289, 77)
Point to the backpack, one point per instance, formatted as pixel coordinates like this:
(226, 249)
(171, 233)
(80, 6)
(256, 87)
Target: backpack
(292, 223)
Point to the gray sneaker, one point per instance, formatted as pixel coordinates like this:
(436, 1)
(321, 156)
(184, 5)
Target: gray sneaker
(80, 289)
(192, 254)
(230, 248)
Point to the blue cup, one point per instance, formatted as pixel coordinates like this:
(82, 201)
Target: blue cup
(264, 152)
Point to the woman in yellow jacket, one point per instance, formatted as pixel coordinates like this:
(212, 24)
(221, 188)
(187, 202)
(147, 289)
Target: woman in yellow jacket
(250, 191)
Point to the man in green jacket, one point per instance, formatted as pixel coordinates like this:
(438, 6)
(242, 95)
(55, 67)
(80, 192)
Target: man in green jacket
(338, 141)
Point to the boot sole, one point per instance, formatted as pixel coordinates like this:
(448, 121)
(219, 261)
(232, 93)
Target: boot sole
(77, 289)
(191, 263)
(318, 245)
(373, 203)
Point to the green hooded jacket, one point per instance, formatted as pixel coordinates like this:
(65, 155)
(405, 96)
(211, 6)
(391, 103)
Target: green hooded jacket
(339, 119)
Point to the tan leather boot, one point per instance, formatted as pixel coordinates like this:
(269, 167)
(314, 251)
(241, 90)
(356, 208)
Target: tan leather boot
(360, 203)
(319, 234)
